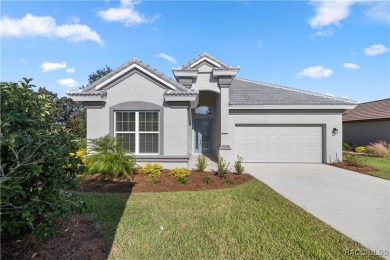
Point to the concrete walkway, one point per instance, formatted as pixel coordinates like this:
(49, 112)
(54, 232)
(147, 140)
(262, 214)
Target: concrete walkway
(357, 205)
(211, 162)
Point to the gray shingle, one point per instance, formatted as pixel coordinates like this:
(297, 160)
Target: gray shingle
(246, 92)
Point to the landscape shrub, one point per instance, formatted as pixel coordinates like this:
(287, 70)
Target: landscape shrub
(36, 169)
(379, 148)
(109, 158)
(207, 180)
(202, 163)
(180, 174)
(152, 171)
(352, 160)
(238, 165)
(347, 146)
(360, 149)
(223, 167)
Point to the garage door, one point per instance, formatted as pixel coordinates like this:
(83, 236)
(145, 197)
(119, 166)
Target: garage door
(279, 143)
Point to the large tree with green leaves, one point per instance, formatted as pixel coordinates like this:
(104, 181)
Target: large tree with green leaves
(69, 114)
(98, 74)
(37, 167)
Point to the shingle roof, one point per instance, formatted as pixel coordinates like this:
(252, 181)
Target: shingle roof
(252, 93)
(373, 110)
(179, 87)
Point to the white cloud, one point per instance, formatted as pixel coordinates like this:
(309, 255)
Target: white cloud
(378, 11)
(22, 60)
(48, 66)
(46, 26)
(324, 33)
(351, 66)
(330, 12)
(70, 70)
(376, 49)
(126, 14)
(316, 72)
(166, 57)
(68, 82)
(330, 94)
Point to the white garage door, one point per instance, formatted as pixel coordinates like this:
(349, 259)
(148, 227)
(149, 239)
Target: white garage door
(279, 143)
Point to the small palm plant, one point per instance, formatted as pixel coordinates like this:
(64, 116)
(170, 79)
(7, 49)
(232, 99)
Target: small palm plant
(109, 158)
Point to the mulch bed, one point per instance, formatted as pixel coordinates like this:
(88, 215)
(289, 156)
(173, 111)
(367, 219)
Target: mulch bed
(356, 168)
(166, 183)
(80, 239)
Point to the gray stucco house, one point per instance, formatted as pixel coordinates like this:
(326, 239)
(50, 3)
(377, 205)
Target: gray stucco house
(367, 122)
(208, 110)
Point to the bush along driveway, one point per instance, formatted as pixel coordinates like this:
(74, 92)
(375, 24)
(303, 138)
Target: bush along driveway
(357, 205)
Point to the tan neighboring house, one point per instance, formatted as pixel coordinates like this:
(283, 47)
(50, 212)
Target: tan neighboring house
(367, 122)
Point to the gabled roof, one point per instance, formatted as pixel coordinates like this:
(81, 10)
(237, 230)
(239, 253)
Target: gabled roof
(374, 110)
(252, 93)
(205, 57)
(171, 85)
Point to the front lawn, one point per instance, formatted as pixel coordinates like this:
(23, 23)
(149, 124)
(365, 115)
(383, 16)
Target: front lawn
(381, 164)
(375, 166)
(250, 221)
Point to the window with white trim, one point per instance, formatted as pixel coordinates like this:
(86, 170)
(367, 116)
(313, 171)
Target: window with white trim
(138, 131)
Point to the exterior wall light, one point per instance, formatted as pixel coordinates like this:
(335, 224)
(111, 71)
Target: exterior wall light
(335, 131)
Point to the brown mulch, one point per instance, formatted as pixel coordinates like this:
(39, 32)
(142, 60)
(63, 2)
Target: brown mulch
(353, 167)
(165, 183)
(79, 239)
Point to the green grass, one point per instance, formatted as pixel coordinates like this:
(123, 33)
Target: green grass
(380, 163)
(250, 221)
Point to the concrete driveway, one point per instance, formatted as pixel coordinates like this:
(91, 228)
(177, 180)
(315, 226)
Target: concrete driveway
(357, 205)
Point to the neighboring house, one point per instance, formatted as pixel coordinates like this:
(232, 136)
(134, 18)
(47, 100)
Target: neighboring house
(367, 122)
(206, 110)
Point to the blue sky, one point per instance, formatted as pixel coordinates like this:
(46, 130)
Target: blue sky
(337, 48)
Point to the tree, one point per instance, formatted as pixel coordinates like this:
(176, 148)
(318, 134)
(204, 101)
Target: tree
(99, 73)
(36, 165)
(69, 114)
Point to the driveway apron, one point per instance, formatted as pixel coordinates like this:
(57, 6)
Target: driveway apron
(355, 204)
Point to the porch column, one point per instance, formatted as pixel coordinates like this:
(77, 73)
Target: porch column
(224, 147)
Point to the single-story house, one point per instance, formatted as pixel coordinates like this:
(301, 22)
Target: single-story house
(367, 122)
(208, 110)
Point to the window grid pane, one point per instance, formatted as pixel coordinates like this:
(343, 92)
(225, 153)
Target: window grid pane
(125, 121)
(148, 121)
(148, 143)
(127, 141)
(148, 124)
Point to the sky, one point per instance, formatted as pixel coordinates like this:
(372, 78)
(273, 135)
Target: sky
(337, 48)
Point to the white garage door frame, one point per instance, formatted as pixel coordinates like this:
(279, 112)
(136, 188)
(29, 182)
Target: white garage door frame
(288, 136)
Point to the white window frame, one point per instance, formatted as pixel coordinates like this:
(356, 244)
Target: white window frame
(137, 132)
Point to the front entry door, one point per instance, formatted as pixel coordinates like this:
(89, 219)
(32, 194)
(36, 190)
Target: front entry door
(204, 136)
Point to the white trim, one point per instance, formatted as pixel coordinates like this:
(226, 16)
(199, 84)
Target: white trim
(104, 83)
(205, 59)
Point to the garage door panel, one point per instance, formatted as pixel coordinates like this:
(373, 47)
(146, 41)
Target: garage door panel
(279, 143)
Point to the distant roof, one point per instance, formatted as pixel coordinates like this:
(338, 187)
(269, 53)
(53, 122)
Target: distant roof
(252, 93)
(180, 89)
(374, 110)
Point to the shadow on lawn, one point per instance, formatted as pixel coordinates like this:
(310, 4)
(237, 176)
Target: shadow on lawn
(83, 236)
(106, 202)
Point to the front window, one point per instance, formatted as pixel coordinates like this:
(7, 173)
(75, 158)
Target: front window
(138, 131)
